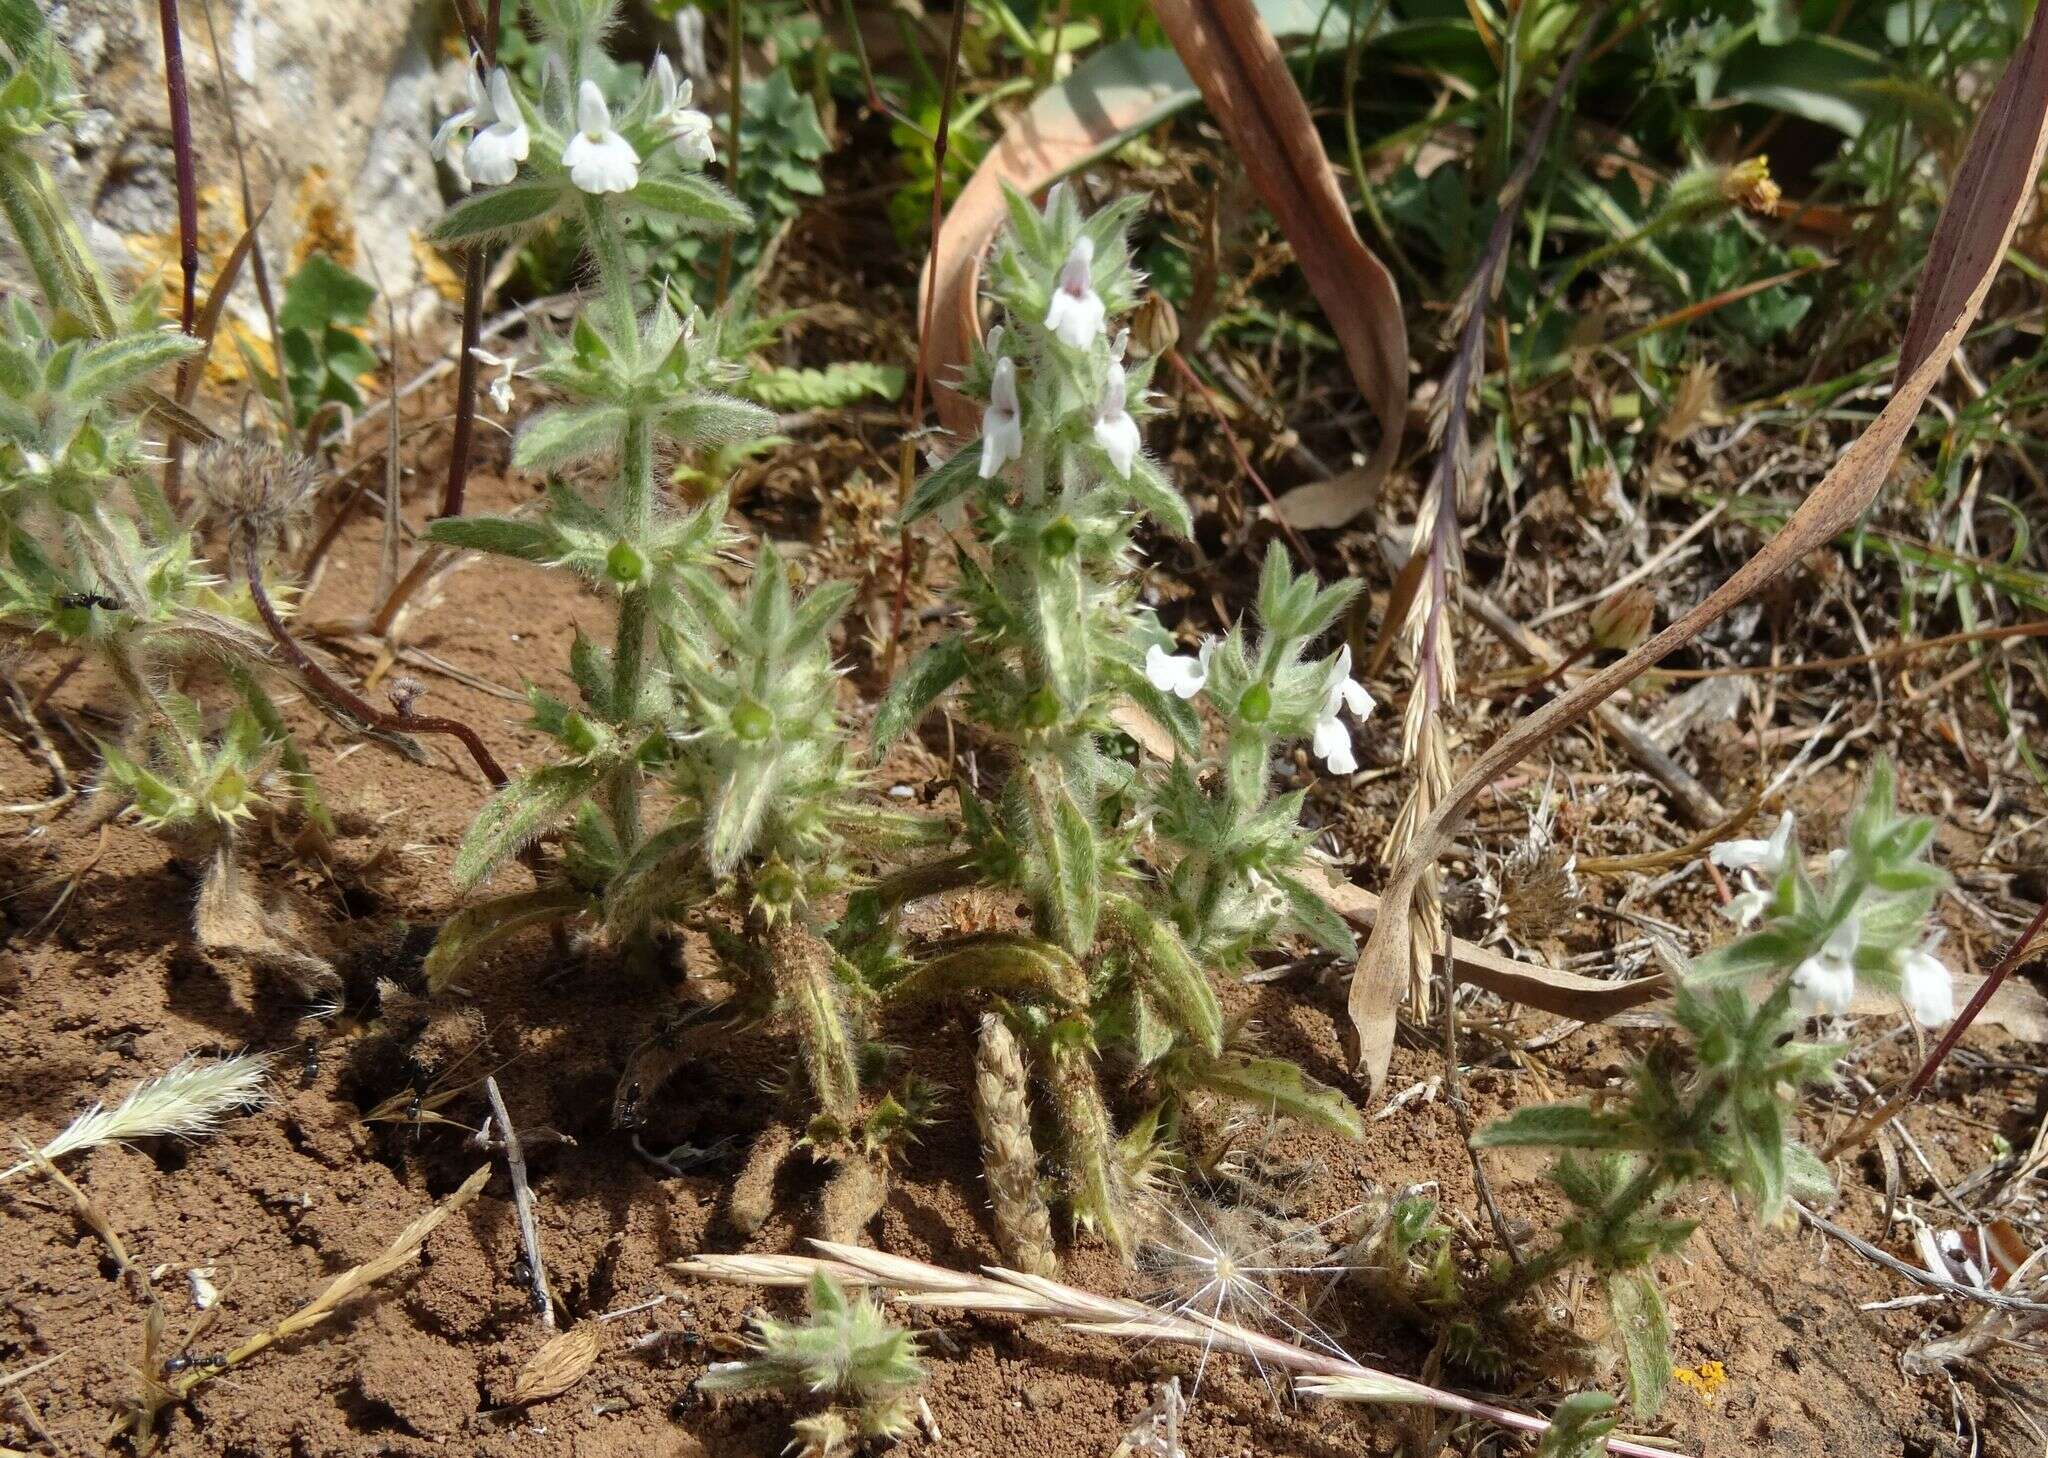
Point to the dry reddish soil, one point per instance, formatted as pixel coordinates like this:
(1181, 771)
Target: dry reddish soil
(103, 989)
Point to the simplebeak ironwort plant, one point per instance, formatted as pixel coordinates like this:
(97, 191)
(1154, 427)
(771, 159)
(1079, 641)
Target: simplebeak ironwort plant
(1715, 1105)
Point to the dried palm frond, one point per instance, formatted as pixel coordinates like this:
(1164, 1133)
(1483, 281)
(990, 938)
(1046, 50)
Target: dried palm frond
(189, 1101)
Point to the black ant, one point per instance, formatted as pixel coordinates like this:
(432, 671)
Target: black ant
(87, 600)
(210, 1362)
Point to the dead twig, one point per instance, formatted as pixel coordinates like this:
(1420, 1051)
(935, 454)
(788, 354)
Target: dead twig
(522, 1204)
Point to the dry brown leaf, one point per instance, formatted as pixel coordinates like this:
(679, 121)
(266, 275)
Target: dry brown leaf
(1976, 226)
(1243, 77)
(559, 1365)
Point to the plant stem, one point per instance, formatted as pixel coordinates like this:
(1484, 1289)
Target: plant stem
(633, 509)
(188, 213)
(328, 687)
(907, 460)
(735, 81)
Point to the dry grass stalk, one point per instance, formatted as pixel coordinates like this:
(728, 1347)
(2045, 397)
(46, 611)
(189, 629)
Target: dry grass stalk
(350, 1282)
(1429, 625)
(918, 1283)
(1009, 1159)
(563, 1362)
(189, 1101)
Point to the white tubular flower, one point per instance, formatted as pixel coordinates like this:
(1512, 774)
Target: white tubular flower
(1771, 857)
(1331, 742)
(599, 159)
(1177, 673)
(1826, 981)
(494, 154)
(1002, 424)
(1115, 431)
(1075, 313)
(1927, 986)
(507, 365)
(478, 111)
(1751, 902)
(690, 127)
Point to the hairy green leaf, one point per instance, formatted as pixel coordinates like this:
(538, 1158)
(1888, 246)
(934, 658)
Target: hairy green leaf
(475, 930)
(1643, 1327)
(524, 809)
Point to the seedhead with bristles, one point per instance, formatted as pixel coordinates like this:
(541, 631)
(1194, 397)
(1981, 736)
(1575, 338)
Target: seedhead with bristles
(188, 1101)
(847, 1352)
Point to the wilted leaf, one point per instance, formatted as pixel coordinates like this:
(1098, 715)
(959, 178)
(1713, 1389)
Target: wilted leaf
(1251, 93)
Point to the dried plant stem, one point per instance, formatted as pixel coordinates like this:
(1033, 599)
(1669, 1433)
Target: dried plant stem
(906, 472)
(1425, 741)
(351, 1281)
(188, 215)
(917, 1283)
(522, 1205)
(259, 271)
(1009, 1159)
(328, 687)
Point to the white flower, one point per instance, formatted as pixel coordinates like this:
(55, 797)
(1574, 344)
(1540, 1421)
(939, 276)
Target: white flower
(495, 152)
(1748, 904)
(1927, 986)
(690, 127)
(599, 159)
(1331, 741)
(1826, 981)
(1115, 431)
(479, 106)
(1075, 313)
(507, 365)
(1772, 857)
(1002, 426)
(1177, 673)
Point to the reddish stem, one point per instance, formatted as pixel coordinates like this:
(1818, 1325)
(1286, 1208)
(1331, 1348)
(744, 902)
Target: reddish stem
(924, 331)
(332, 689)
(188, 214)
(2015, 955)
(456, 488)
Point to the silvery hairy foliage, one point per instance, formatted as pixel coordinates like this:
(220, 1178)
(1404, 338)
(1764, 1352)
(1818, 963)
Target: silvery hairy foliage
(1716, 1104)
(1144, 883)
(98, 563)
(701, 776)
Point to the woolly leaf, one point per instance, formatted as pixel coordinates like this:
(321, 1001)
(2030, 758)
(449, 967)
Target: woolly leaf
(1277, 1086)
(738, 809)
(1643, 1327)
(1157, 497)
(706, 419)
(696, 201)
(1579, 1427)
(1317, 920)
(1000, 964)
(501, 536)
(928, 675)
(475, 930)
(1557, 1126)
(940, 488)
(518, 813)
(1177, 985)
(1073, 867)
(498, 212)
(107, 368)
(557, 437)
